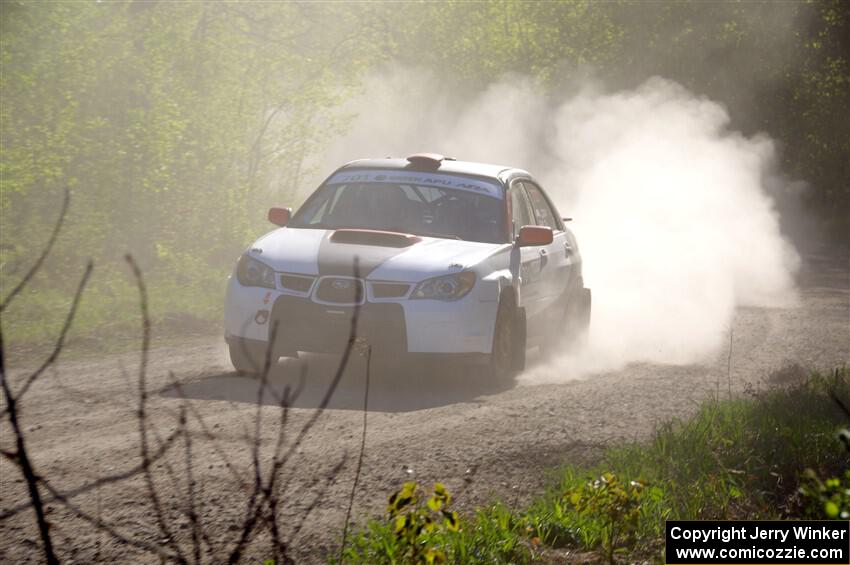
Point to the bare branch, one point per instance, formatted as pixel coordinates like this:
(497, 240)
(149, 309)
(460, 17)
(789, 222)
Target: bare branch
(60, 341)
(208, 434)
(328, 479)
(360, 456)
(21, 458)
(142, 414)
(280, 462)
(254, 507)
(103, 481)
(101, 525)
(194, 517)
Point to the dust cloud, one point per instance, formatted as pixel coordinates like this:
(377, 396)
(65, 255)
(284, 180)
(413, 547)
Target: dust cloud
(670, 204)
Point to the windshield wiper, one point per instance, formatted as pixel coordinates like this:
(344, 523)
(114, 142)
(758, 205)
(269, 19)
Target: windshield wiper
(440, 235)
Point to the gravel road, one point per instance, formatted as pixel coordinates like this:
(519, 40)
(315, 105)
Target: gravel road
(424, 424)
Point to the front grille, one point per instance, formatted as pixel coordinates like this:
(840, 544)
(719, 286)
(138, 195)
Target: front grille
(303, 325)
(296, 283)
(340, 290)
(389, 290)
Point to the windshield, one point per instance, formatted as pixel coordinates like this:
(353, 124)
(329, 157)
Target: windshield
(471, 210)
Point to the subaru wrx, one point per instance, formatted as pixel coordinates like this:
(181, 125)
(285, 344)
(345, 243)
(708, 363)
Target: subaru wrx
(463, 261)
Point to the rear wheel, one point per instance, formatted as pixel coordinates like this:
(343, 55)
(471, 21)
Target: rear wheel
(571, 324)
(507, 358)
(582, 318)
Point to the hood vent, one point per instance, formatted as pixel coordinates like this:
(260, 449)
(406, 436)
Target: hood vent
(374, 237)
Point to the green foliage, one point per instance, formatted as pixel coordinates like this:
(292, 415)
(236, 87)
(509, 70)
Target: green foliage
(417, 526)
(826, 499)
(738, 458)
(186, 302)
(829, 498)
(177, 124)
(614, 506)
(415, 532)
(735, 459)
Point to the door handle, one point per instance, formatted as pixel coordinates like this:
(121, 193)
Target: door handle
(542, 252)
(543, 259)
(568, 249)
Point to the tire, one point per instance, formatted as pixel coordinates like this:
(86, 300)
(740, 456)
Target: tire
(578, 318)
(584, 317)
(570, 329)
(507, 358)
(247, 358)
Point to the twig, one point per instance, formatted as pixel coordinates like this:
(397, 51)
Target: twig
(124, 475)
(194, 518)
(38, 263)
(21, 456)
(328, 479)
(142, 413)
(101, 525)
(22, 459)
(270, 491)
(60, 341)
(360, 456)
(280, 462)
(729, 360)
(254, 507)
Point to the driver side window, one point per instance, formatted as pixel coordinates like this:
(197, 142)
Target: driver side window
(543, 212)
(520, 208)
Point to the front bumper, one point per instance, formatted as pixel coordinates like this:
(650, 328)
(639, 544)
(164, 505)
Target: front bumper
(303, 325)
(392, 327)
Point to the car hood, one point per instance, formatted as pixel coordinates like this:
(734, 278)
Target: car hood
(315, 252)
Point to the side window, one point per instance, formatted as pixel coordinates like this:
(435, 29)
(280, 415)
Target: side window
(519, 208)
(543, 212)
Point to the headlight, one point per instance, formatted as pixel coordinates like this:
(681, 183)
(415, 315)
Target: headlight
(251, 272)
(449, 287)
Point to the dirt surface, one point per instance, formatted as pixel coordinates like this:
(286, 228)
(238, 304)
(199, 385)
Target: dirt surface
(483, 441)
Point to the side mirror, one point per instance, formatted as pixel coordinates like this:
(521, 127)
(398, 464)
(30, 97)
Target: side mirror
(280, 216)
(534, 235)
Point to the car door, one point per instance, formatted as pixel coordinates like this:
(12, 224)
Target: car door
(530, 260)
(556, 257)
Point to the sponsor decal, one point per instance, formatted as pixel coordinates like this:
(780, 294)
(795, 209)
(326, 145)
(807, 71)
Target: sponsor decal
(453, 182)
(261, 317)
(267, 297)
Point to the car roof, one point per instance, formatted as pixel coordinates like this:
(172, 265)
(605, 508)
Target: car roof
(499, 173)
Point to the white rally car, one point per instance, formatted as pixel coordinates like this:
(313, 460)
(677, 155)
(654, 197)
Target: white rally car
(439, 257)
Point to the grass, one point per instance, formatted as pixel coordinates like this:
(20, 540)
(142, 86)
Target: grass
(735, 459)
(108, 316)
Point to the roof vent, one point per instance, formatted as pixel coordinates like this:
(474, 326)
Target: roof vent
(427, 160)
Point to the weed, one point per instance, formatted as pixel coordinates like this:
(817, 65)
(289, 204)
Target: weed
(614, 505)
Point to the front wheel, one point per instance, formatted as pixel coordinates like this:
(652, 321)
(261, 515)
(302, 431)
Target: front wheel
(248, 358)
(507, 358)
